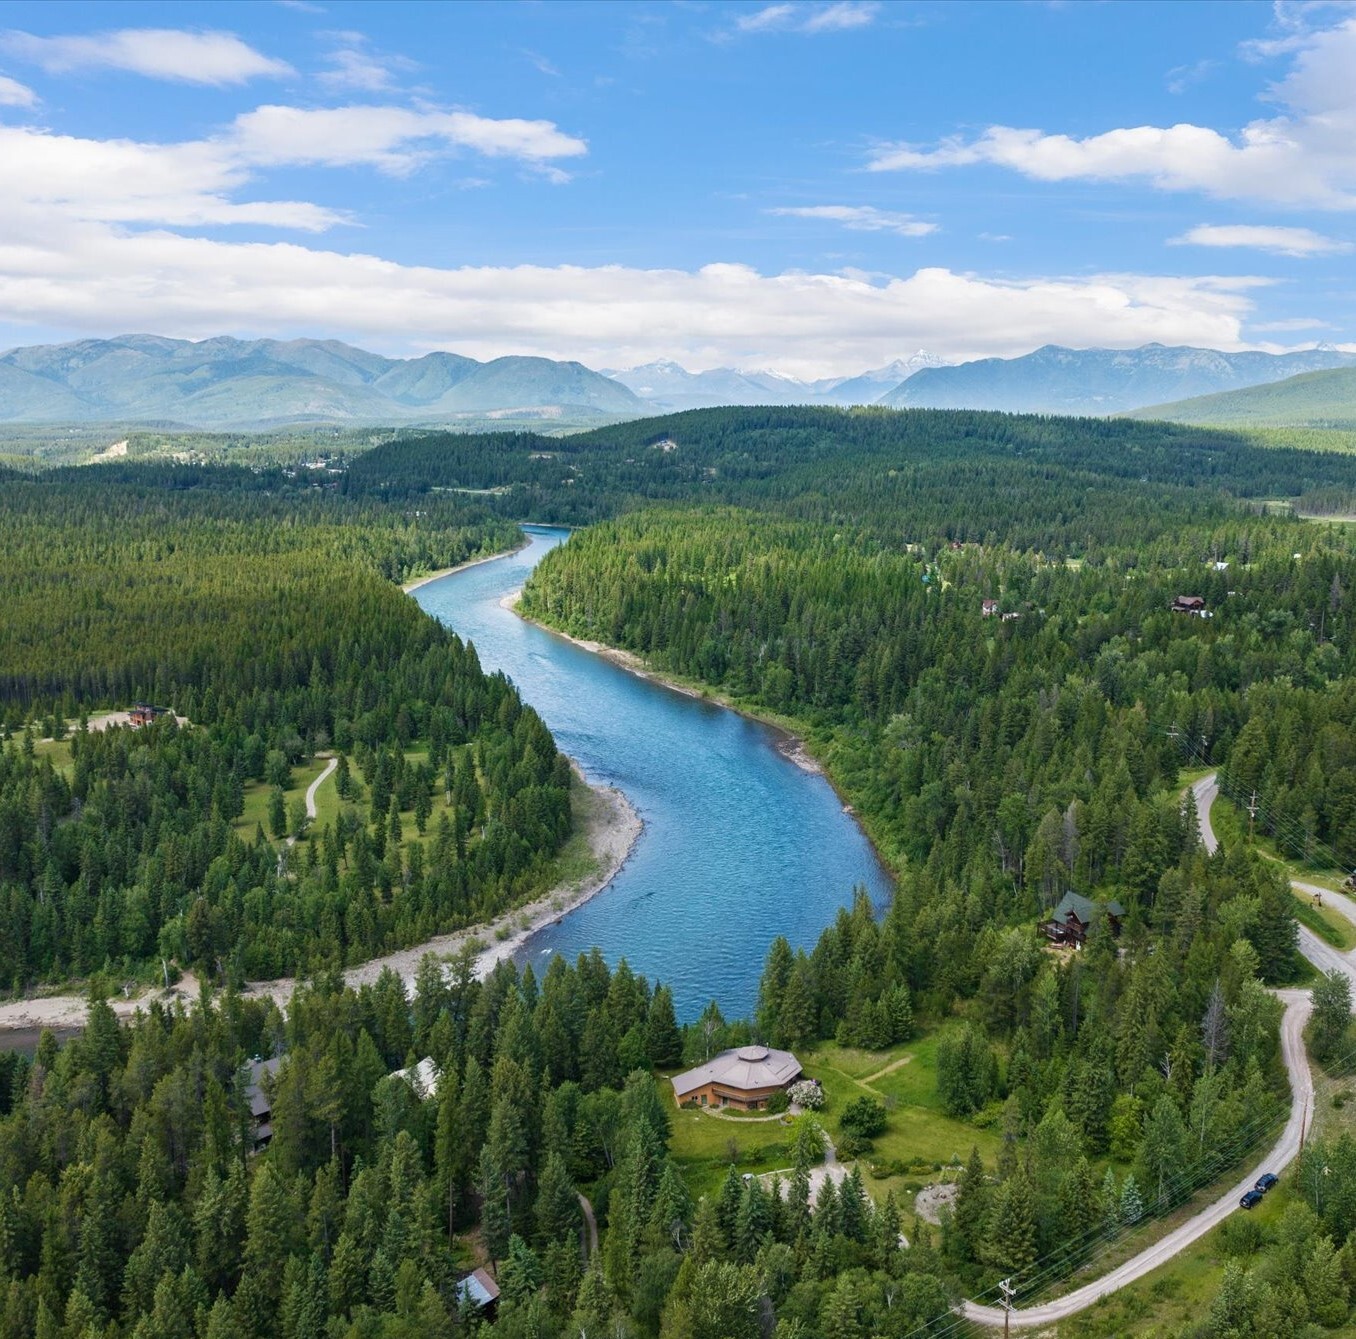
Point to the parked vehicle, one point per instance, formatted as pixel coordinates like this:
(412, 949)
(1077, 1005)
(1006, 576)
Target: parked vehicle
(1265, 1182)
(1252, 1199)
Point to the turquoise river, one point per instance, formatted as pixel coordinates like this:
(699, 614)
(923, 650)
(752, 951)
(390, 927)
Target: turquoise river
(740, 844)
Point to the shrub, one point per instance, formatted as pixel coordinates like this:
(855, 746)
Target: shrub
(778, 1102)
(863, 1117)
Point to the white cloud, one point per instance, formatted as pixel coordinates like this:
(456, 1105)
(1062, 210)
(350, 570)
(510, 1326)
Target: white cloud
(1305, 156)
(394, 139)
(95, 278)
(198, 182)
(123, 181)
(862, 218)
(838, 17)
(159, 53)
(355, 65)
(15, 94)
(1280, 241)
(841, 16)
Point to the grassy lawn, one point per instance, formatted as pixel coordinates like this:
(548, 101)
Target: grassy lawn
(703, 1146)
(257, 793)
(58, 750)
(919, 1132)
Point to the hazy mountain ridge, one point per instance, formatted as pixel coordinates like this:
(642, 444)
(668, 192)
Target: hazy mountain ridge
(229, 383)
(1324, 399)
(1056, 380)
(670, 386)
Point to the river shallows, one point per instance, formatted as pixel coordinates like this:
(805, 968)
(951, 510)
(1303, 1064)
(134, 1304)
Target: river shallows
(740, 844)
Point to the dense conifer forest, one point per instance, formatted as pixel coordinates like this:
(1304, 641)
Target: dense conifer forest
(267, 619)
(967, 616)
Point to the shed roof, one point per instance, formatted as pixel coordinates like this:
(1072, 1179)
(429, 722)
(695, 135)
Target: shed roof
(746, 1069)
(479, 1287)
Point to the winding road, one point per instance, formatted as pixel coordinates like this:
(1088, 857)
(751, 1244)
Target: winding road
(1297, 1008)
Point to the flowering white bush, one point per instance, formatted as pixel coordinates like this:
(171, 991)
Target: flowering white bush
(807, 1095)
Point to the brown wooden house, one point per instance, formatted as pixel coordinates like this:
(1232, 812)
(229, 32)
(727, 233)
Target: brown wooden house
(1072, 921)
(743, 1079)
(1190, 604)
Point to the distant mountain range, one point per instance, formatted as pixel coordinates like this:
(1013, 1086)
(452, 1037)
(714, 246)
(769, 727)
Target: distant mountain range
(668, 386)
(1053, 380)
(232, 383)
(229, 383)
(1311, 400)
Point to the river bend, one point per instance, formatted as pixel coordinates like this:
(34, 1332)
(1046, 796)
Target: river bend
(740, 844)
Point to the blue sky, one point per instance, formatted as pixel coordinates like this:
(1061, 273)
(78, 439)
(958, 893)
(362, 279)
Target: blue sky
(815, 187)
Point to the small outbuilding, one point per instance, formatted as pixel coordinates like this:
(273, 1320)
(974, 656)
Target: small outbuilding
(743, 1078)
(480, 1290)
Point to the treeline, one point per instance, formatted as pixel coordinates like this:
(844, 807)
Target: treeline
(1062, 486)
(130, 1204)
(270, 623)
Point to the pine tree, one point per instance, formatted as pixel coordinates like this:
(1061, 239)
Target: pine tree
(557, 1211)
(1010, 1244)
(663, 1041)
(1131, 1203)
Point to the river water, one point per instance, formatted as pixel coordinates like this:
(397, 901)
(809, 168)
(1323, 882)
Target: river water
(740, 844)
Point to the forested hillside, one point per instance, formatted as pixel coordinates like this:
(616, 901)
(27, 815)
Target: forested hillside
(1064, 486)
(270, 622)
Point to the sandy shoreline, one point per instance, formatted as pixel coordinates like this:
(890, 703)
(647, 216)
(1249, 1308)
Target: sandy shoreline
(612, 827)
(790, 745)
(411, 586)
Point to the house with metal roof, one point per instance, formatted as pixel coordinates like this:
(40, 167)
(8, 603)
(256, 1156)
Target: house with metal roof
(480, 1290)
(1073, 920)
(744, 1078)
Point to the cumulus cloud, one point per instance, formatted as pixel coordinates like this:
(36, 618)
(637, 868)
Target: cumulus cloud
(198, 182)
(123, 181)
(15, 94)
(862, 218)
(1305, 156)
(101, 279)
(215, 58)
(838, 17)
(1280, 241)
(394, 139)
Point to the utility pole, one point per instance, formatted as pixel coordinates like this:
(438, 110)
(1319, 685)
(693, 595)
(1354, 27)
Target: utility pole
(1007, 1290)
(1252, 816)
(1304, 1122)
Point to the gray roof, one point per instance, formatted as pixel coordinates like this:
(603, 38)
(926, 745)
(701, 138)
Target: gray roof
(479, 1286)
(1085, 908)
(260, 1104)
(748, 1068)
